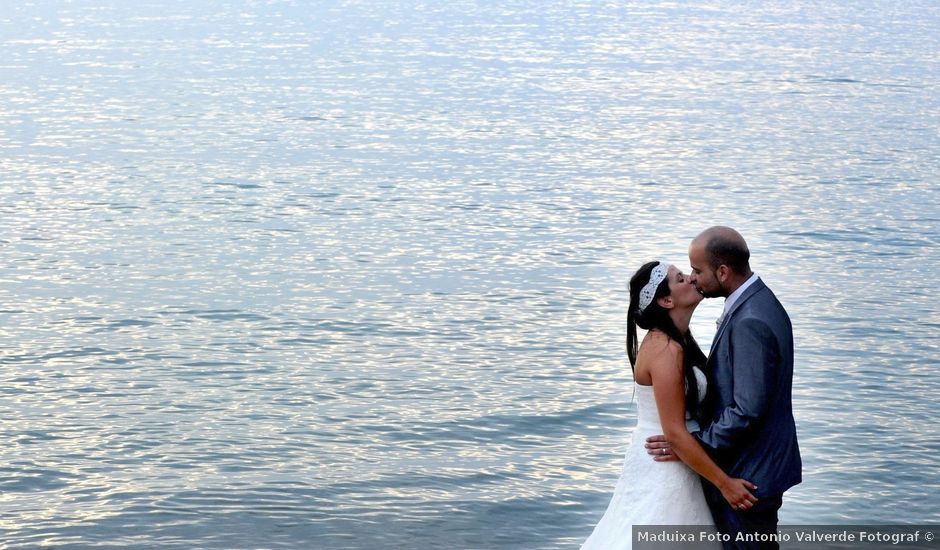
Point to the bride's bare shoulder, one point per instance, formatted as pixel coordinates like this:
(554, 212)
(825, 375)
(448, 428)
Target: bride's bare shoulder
(656, 343)
(657, 352)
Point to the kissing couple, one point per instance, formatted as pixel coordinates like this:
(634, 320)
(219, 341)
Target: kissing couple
(715, 441)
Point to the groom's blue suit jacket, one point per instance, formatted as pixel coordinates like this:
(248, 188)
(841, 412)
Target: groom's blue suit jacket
(748, 413)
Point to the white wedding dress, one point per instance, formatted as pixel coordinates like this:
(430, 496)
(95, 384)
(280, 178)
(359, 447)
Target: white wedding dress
(650, 492)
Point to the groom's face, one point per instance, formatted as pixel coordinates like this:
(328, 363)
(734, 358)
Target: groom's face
(703, 276)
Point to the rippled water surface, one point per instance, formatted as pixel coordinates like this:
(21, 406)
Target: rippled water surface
(353, 274)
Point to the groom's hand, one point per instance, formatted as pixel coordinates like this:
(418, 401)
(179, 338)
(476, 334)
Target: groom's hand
(660, 449)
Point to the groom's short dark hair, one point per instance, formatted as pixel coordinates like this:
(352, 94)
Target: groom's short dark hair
(728, 248)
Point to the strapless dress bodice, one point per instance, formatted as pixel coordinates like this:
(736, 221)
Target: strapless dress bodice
(648, 414)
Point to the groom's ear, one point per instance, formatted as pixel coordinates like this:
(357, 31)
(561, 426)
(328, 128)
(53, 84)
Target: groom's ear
(723, 272)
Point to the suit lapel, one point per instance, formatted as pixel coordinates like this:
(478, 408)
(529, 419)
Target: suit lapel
(757, 286)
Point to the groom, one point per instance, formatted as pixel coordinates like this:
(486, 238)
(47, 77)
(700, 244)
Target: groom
(748, 414)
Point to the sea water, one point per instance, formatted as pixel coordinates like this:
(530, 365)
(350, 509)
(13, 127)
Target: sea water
(347, 274)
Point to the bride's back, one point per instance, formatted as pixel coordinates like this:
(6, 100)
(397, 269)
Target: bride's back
(655, 344)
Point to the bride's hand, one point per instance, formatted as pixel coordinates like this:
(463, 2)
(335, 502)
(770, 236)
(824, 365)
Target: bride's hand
(660, 449)
(738, 494)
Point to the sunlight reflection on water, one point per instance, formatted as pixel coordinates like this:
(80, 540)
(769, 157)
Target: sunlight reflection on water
(355, 276)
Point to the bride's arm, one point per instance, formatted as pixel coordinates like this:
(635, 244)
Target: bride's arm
(669, 391)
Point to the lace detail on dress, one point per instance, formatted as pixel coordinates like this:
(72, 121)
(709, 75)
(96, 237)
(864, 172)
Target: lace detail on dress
(648, 414)
(650, 492)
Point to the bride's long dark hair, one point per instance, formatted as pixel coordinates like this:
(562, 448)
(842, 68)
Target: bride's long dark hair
(656, 317)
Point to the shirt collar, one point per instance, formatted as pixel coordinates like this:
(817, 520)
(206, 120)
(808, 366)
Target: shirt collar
(730, 300)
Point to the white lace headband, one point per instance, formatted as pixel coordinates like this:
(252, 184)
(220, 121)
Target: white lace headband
(648, 292)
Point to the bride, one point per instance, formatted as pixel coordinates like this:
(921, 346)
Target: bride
(669, 388)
